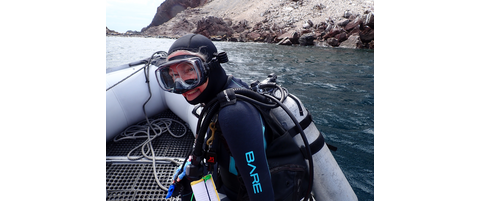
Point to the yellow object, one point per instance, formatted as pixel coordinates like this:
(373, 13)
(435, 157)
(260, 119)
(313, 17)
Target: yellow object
(213, 128)
(204, 189)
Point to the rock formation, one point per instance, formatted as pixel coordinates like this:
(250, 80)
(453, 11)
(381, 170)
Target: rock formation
(112, 32)
(170, 8)
(339, 23)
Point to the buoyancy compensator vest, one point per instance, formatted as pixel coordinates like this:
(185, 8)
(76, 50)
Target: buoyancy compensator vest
(293, 140)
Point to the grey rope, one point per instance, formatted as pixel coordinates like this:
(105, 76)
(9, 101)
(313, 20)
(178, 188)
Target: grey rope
(126, 77)
(162, 54)
(154, 126)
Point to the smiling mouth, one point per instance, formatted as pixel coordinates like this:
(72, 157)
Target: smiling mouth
(191, 92)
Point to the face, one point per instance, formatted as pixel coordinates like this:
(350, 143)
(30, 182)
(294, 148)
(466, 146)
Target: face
(186, 72)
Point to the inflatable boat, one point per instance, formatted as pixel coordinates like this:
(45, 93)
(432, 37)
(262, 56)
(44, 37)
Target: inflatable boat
(133, 94)
(128, 89)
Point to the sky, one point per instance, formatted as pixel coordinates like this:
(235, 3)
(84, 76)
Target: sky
(124, 15)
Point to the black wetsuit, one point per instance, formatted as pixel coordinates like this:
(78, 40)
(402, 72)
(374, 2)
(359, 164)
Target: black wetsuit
(241, 153)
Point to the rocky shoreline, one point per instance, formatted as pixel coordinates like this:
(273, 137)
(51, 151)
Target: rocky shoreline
(339, 23)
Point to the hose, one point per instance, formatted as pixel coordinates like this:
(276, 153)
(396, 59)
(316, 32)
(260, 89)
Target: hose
(202, 127)
(210, 110)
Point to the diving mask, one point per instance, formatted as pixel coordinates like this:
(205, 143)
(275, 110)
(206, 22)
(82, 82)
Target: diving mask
(181, 75)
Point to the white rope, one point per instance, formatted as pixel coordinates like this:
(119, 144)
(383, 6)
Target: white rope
(142, 130)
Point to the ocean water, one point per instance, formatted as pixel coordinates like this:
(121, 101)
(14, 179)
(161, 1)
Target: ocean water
(336, 85)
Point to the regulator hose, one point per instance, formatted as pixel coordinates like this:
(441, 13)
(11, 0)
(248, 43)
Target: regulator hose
(212, 107)
(202, 126)
(251, 94)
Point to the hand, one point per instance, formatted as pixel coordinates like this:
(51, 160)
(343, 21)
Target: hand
(180, 177)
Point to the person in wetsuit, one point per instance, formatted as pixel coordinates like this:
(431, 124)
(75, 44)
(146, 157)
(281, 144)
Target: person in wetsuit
(192, 71)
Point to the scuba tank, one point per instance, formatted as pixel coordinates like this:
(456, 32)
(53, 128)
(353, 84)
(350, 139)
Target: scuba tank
(326, 180)
(329, 182)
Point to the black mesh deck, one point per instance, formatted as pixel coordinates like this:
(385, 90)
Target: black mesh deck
(133, 179)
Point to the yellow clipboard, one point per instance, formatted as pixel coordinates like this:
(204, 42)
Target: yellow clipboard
(204, 189)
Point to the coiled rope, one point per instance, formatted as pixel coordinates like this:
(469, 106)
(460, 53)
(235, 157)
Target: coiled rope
(142, 130)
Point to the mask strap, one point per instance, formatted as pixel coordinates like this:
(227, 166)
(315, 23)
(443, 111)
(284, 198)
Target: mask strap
(180, 57)
(216, 60)
(221, 57)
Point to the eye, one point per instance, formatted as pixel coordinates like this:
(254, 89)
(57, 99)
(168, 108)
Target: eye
(172, 73)
(187, 68)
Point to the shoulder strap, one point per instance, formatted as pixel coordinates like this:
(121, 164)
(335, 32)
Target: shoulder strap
(226, 97)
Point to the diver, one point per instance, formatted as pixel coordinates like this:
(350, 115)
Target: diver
(242, 135)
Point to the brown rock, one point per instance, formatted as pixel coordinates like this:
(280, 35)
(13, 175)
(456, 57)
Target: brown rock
(333, 42)
(268, 37)
(285, 41)
(253, 36)
(182, 28)
(369, 20)
(258, 26)
(322, 26)
(343, 23)
(213, 26)
(332, 33)
(307, 39)
(292, 35)
(366, 35)
(319, 34)
(370, 45)
(238, 37)
(352, 24)
(354, 31)
(351, 42)
(305, 31)
(341, 37)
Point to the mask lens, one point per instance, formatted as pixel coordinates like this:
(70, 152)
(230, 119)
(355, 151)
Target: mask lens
(180, 76)
(184, 71)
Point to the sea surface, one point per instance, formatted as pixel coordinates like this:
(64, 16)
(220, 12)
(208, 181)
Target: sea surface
(336, 85)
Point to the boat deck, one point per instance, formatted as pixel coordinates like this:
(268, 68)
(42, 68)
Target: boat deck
(134, 179)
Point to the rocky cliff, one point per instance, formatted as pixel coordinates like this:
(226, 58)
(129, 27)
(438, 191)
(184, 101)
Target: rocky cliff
(344, 23)
(170, 8)
(112, 32)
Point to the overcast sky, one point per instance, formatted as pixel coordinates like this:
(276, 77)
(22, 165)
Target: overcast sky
(124, 15)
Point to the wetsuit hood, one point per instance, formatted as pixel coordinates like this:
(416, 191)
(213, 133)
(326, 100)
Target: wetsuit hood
(194, 43)
(217, 79)
(216, 75)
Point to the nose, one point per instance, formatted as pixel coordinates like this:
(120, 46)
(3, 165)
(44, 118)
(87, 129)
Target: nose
(180, 86)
